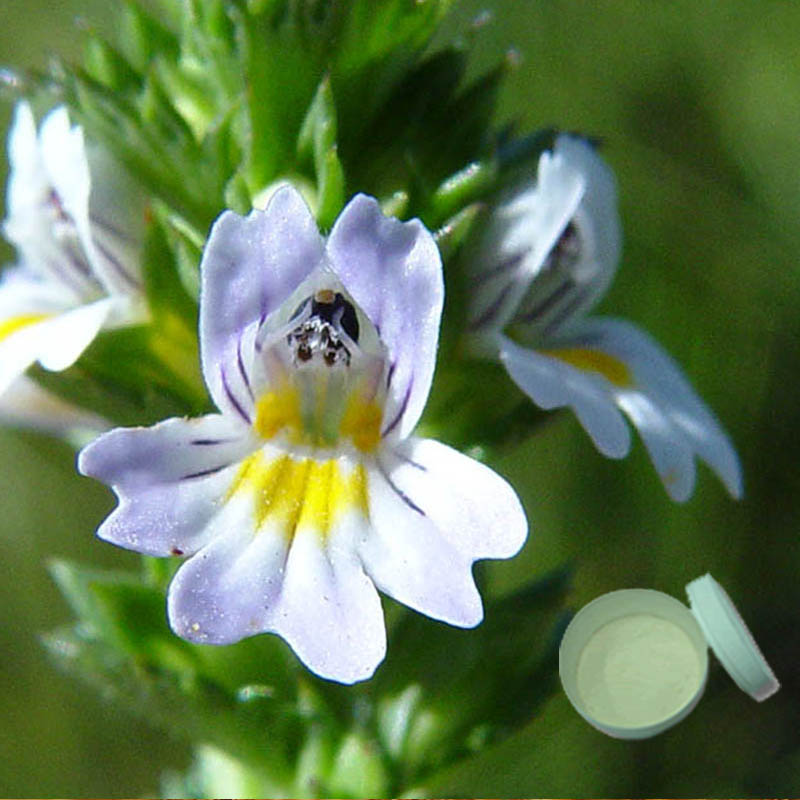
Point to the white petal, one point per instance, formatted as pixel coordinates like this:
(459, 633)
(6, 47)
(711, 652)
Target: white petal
(329, 610)
(56, 342)
(409, 560)
(434, 512)
(250, 266)
(393, 271)
(552, 383)
(224, 592)
(27, 178)
(663, 400)
(71, 333)
(169, 479)
(472, 506)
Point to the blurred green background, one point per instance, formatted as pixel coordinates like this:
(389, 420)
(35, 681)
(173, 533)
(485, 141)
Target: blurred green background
(698, 105)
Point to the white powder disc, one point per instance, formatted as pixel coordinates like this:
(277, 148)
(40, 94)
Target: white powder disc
(637, 670)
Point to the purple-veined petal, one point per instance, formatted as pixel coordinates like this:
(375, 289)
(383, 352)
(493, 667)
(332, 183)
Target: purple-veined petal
(67, 168)
(393, 271)
(169, 479)
(673, 421)
(250, 266)
(520, 235)
(434, 512)
(553, 383)
(597, 218)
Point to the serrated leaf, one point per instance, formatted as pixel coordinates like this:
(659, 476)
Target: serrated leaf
(75, 582)
(469, 184)
(281, 74)
(142, 37)
(186, 243)
(109, 67)
(318, 131)
(456, 230)
(331, 191)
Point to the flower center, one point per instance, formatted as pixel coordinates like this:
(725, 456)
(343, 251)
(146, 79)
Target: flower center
(320, 334)
(557, 290)
(325, 383)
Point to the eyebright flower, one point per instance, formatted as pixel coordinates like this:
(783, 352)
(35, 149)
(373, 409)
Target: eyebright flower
(78, 269)
(26, 404)
(548, 255)
(307, 492)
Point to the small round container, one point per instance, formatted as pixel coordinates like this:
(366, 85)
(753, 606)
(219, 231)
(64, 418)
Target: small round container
(634, 662)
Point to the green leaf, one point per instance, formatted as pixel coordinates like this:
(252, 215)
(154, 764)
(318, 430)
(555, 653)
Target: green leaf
(358, 768)
(317, 141)
(109, 67)
(318, 131)
(187, 243)
(446, 689)
(281, 75)
(192, 708)
(456, 230)
(142, 37)
(471, 183)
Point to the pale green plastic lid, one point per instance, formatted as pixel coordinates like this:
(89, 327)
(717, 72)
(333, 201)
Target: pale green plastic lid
(730, 638)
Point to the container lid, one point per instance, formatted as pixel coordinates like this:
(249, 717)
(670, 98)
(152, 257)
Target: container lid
(730, 639)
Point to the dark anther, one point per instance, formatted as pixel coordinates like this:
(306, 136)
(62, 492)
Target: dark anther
(334, 308)
(176, 551)
(304, 352)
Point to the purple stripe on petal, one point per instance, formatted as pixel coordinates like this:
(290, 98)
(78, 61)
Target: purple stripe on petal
(567, 311)
(509, 264)
(492, 310)
(390, 373)
(211, 441)
(242, 370)
(402, 410)
(560, 292)
(232, 397)
(406, 460)
(116, 264)
(203, 472)
(110, 228)
(399, 492)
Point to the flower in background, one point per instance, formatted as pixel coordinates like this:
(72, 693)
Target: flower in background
(308, 492)
(77, 246)
(548, 255)
(25, 404)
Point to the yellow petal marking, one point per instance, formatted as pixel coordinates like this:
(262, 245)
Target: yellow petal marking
(13, 324)
(608, 366)
(293, 493)
(276, 410)
(361, 422)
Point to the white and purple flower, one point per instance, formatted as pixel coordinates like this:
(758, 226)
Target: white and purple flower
(308, 492)
(548, 255)
(77, 244)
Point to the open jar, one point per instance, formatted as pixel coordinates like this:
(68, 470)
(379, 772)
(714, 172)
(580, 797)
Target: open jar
(634, 662)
